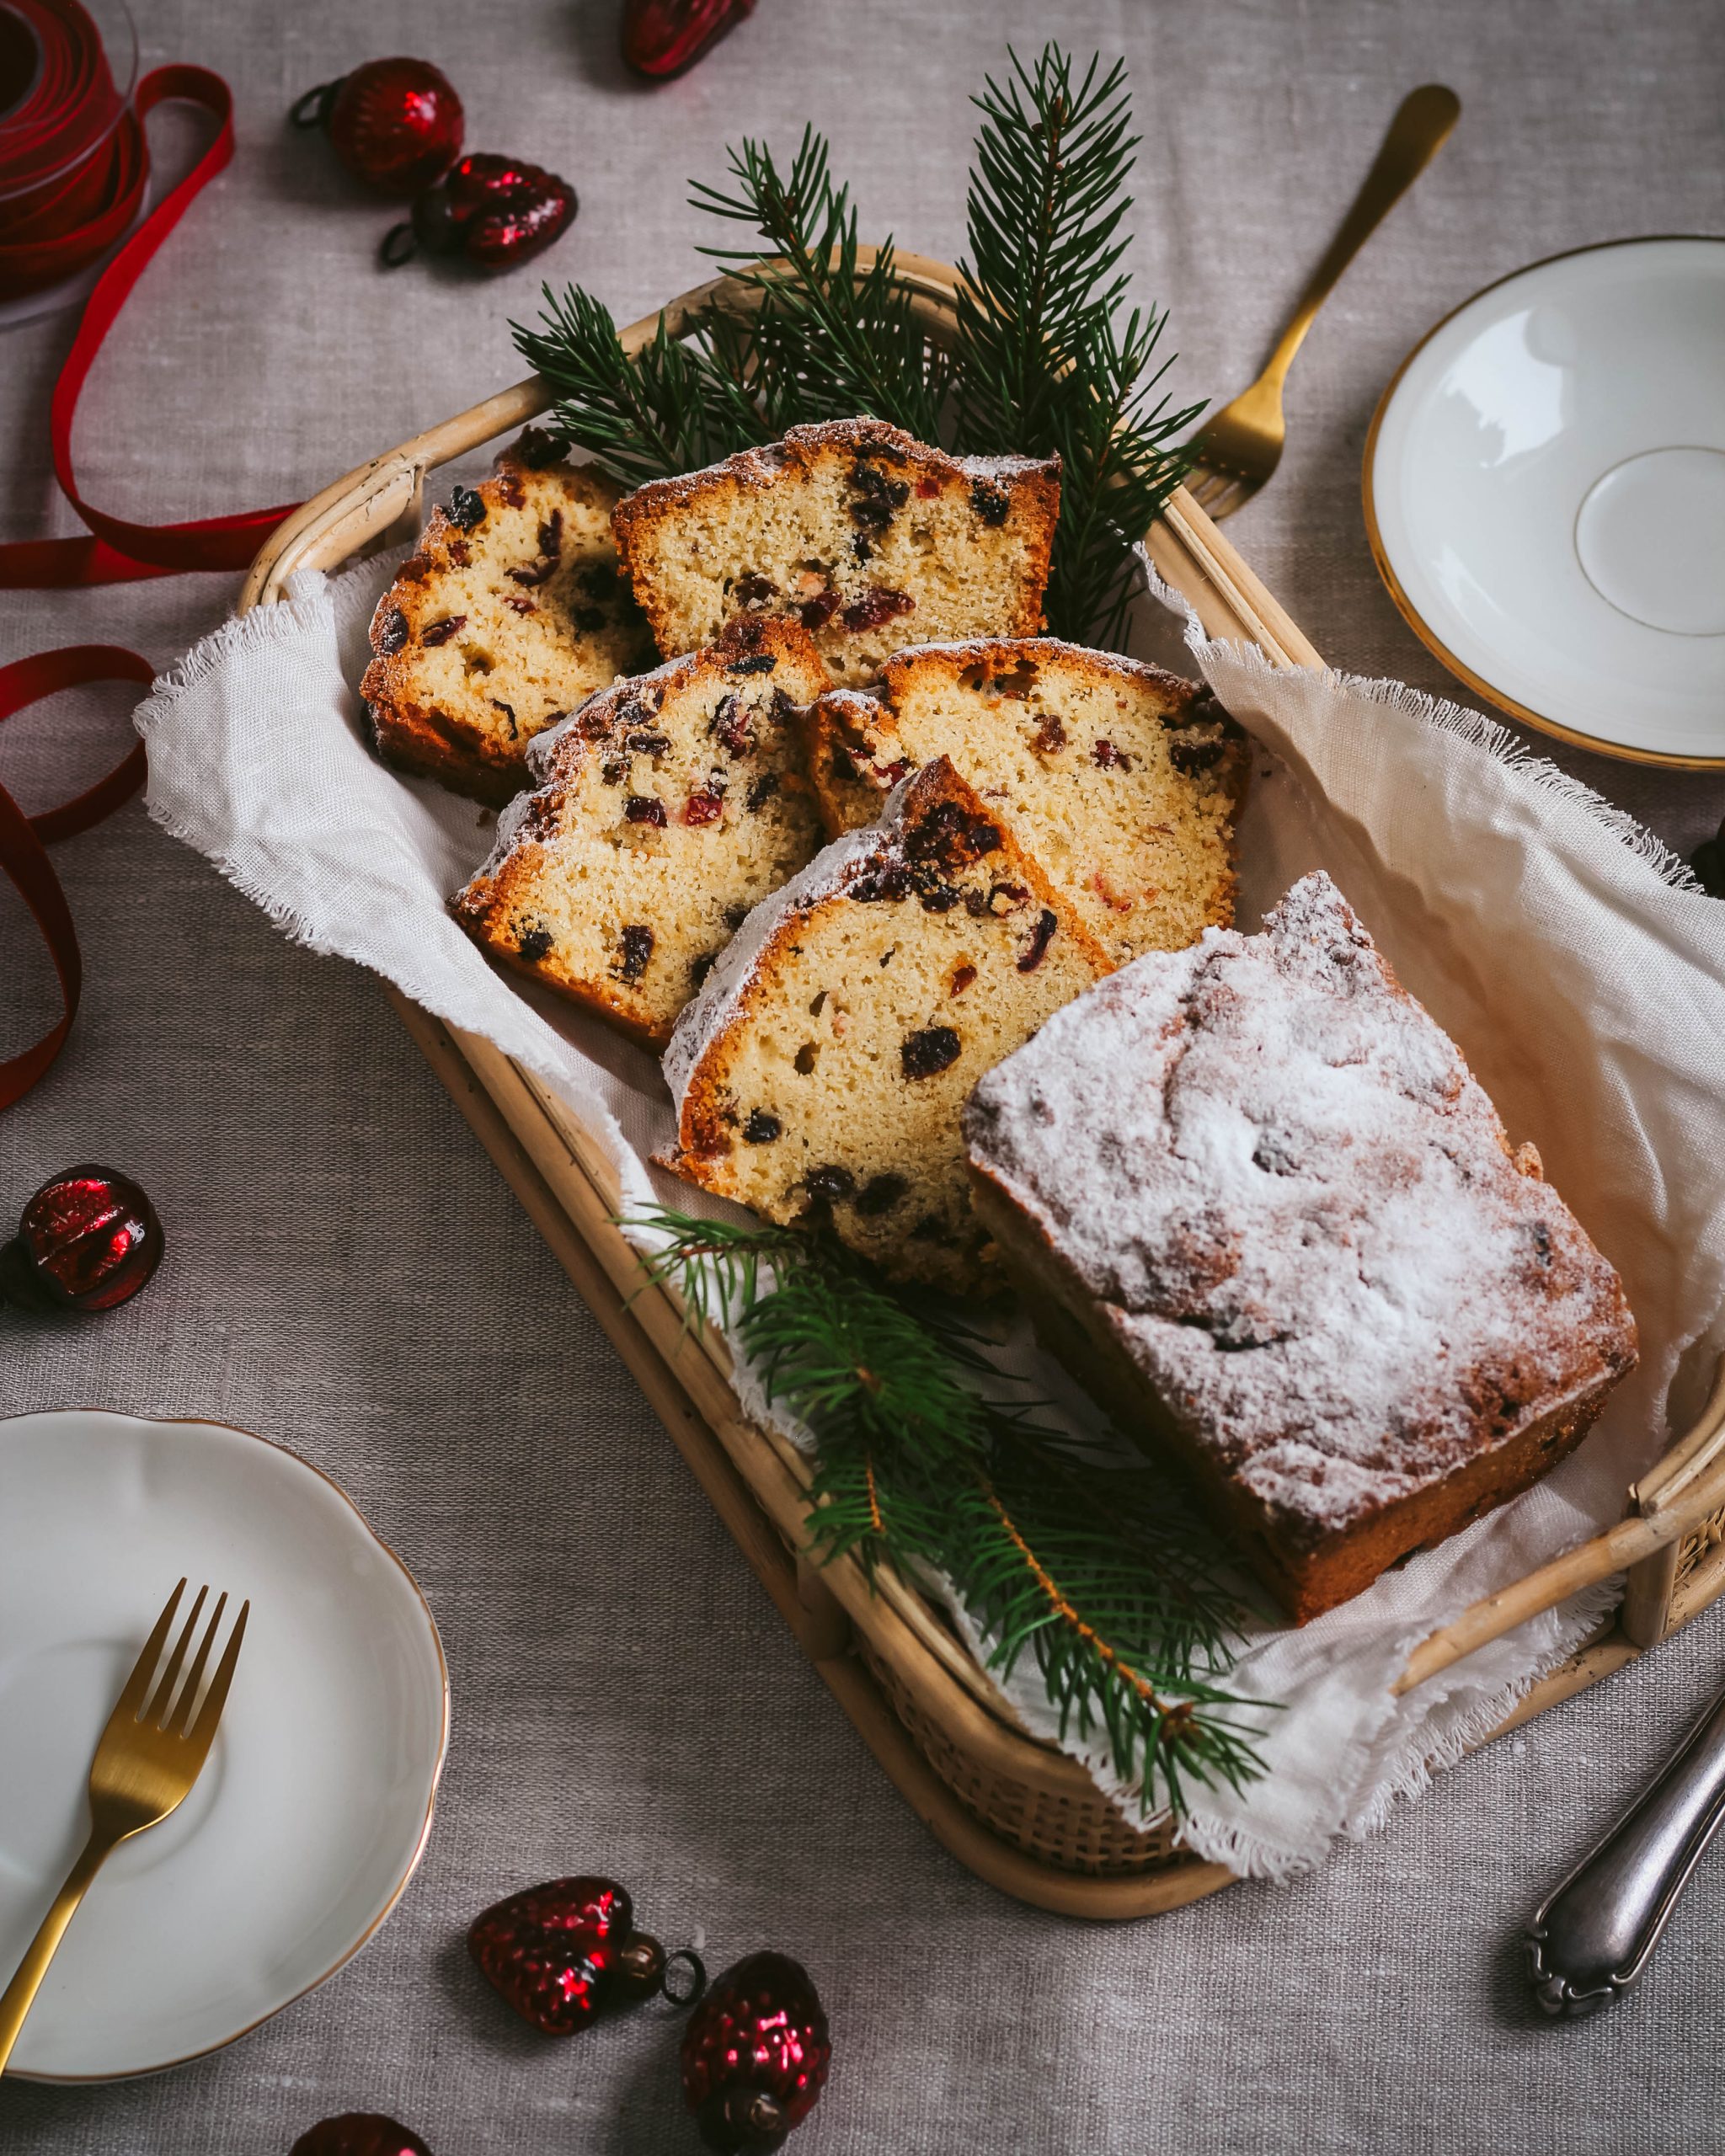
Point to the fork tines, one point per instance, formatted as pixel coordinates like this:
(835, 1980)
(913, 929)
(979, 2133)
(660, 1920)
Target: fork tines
(173, 1708)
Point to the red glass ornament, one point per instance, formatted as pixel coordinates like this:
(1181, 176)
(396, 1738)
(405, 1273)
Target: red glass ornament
(493, 212)
(567, 1952)
(395, 123)
(755, 2055)
(87, 1241)
(359, 2133)
(661, 38)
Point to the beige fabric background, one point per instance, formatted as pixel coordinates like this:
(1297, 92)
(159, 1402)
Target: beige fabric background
(349, 1274)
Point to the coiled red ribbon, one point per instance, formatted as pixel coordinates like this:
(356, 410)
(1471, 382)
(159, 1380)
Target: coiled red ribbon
(70, 226)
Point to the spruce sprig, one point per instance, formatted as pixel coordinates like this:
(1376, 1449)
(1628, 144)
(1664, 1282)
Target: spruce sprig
(1048, 356)
(673, 408)
(928, 1459)
(1045, 362)
(831, 340)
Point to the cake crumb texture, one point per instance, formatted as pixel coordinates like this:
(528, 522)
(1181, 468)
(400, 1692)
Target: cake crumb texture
(821, 1072)
(669, 805)
(868, 537)
(1123, 779)
(510, 614)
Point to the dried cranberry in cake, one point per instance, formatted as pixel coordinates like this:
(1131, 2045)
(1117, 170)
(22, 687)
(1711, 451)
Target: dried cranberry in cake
(852, 528)
(923, 1055)
(1272, 1219)
(836, 1002)
(498, 608)
(637, 944)
(534, 944)
(762, 1129)
(1040, 937)
(635, 855)
(876, 605)
(1123, 781)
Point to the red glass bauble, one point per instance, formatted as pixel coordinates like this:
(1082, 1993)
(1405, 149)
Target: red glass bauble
(395, 123)
(755, 2055)
(663, 37)
(359, 2133)
(493, 212)
(87, 1241)
(567, 1952)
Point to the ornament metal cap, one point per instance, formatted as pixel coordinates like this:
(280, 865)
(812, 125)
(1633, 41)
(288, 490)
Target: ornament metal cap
(743, 2122)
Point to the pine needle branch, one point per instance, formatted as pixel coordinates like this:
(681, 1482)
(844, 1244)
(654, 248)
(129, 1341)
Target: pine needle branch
(1041, 367)
(926, 1460)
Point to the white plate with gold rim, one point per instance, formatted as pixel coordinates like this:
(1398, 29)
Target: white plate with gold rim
(316, 1802)
(1545, 492)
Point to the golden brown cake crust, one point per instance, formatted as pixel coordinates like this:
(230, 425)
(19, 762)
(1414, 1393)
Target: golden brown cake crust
(869, 537)
(1255, 1196)
(669, 804)
(1123, 780)
(510, 614)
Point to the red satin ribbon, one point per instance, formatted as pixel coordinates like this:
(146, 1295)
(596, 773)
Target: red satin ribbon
(113, 550)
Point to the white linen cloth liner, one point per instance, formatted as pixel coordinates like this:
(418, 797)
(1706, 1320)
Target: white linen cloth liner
(1572, 959)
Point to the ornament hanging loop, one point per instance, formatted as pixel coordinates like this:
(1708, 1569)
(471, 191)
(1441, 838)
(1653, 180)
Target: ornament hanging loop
(677, 1995)
(400, 243)
(314, 108)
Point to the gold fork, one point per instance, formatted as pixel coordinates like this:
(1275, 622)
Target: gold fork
(1241, 446)
(146, 1762)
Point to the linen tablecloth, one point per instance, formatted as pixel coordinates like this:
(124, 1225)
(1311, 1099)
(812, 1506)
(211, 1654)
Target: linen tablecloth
(347, 1274)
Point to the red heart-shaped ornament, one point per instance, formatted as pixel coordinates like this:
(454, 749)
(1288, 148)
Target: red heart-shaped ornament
(564, 1953)
(663, 37)
(495, 212)
(359, 2133)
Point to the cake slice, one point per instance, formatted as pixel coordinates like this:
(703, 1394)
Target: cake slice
(510, 614)
(821, 1070)
(669, 805)
(1123, 781)
(1254, 1195)
(869, 538)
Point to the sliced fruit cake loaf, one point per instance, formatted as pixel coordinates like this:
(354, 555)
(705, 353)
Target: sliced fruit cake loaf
(869, 538)
(671, 803)
(823, 1067)
(510, 614)
(1123, 781)
(1254, 1194)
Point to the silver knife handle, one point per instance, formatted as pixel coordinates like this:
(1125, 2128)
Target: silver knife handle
(1590, 1941)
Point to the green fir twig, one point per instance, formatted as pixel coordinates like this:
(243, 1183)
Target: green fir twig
(1045, 360)
(929, 1460)
(1049, 357)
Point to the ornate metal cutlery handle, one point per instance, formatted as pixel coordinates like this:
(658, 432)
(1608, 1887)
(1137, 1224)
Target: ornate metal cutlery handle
(1590, 1941)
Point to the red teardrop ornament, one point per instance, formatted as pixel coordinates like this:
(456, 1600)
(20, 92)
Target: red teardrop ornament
(661, 38)
(395, 123)
(755, 2055)
(88, 1240)
(359, 2133)
(493, 212)
(567, 1952)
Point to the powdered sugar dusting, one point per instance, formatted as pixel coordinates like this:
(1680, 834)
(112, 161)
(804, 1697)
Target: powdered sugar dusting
(1299, 1212)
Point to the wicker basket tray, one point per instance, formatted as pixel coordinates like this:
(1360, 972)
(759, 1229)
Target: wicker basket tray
(1016, 1810)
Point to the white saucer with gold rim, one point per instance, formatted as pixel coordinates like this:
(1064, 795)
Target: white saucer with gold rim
(312, 1812)
(1545, 493)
